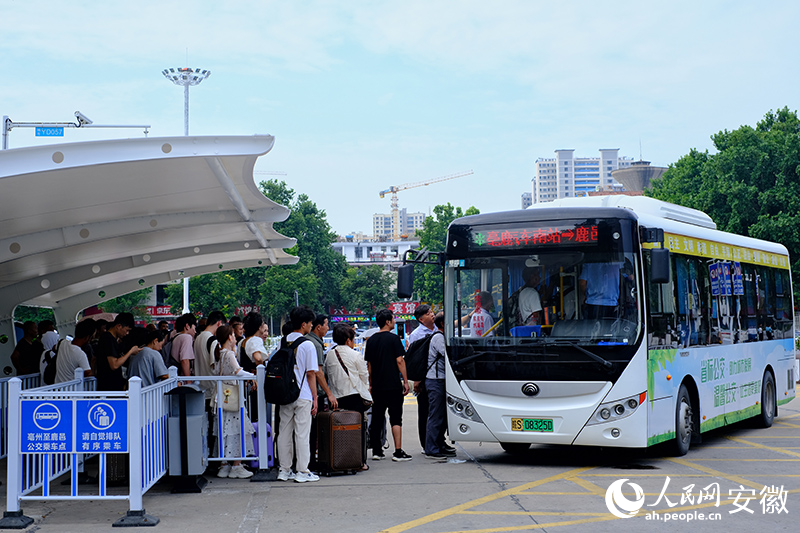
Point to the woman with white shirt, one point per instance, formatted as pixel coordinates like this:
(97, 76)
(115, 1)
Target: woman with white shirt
(348, 377)
(231, 429)
(254, 352)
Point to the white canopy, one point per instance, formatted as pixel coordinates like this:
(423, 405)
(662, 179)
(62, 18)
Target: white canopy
(84, 222)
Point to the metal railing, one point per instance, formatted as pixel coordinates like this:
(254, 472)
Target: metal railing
(33, 471)
(29, 381)
(262, 409)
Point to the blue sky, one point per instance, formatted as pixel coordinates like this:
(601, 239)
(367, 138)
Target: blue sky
(362, 95)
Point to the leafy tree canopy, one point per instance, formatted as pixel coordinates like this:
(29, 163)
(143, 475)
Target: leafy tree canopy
(319, 284)
(24, 313)
(367, 288)
(223, 291)
(428, 278)
(133, 302)
(751, 186)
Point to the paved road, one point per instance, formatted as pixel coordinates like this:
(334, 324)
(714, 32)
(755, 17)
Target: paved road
(548, 488)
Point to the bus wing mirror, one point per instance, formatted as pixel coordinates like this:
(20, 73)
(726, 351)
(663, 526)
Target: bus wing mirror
(405, 281)
(659, 265)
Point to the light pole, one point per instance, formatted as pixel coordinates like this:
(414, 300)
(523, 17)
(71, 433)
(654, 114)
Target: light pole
(186, 77)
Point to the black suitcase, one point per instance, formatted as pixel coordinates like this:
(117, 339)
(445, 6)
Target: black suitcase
(340, 444)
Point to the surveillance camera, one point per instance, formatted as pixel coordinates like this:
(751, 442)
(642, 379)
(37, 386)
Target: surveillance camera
(83, 120)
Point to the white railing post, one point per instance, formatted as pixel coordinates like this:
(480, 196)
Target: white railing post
(136, 515)
(13, 517)
(135, 441)
(264, 426)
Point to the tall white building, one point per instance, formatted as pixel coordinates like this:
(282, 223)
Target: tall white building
(566, 175)
(409, 223)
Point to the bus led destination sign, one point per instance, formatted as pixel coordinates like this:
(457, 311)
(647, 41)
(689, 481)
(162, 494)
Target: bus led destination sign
(547, 236)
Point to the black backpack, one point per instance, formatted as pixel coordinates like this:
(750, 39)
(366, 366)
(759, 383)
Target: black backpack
(166, 351)
(280, 382)
(49, 376)
(417, 358)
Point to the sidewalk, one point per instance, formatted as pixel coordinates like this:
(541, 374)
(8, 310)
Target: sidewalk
(394, 493)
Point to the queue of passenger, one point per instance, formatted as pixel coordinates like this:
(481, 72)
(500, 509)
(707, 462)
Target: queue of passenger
(215, 346)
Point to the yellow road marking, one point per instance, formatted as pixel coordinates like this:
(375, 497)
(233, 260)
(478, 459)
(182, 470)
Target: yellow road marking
(480, 501)
(764, 447)
(771, 460)
(540, 526)
(532, 513)
(730, 477)
(588, 485)
(786, 424)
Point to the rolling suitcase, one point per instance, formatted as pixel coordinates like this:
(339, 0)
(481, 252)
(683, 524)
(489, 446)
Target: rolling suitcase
(340, 446)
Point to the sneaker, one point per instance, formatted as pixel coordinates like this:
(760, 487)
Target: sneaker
(439, 456)
(240, 472)
(449, 451)
(400, 455)
(286, 475)
(377, 455)
(303, 477)
(224, 471)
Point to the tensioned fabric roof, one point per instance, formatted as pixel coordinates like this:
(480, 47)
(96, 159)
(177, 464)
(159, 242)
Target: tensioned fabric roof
(84, 222)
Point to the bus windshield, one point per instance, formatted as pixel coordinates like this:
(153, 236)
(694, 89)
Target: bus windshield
(556, 309)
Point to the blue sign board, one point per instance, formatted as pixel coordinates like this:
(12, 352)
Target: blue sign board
(738, 282)
(101, 426)
(725, 280)
(714, 273)
(46, 426)
(49, 131)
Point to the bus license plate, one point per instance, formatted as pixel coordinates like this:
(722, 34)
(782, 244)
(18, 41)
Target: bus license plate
(531, 424)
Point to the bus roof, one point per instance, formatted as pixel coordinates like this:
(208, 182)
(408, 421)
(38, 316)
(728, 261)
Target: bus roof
(649, 212)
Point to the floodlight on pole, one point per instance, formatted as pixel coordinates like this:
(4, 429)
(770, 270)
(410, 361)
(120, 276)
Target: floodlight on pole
(186, 77)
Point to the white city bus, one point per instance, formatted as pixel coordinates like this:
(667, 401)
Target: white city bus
(654, 326)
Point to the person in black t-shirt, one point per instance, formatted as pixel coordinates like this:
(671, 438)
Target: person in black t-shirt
(110, 357)
(28, 351)
(384, 355)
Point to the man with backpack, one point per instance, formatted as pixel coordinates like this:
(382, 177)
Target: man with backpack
(204, 347)
(295, 416)
(435, 445)
(182, 350)
(424, 315)
(70, 354)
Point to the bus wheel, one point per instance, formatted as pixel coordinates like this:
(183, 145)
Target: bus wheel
(515, 447)
(684, 422)
(768, 401)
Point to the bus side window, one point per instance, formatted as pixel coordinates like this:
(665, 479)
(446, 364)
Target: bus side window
(661, 319)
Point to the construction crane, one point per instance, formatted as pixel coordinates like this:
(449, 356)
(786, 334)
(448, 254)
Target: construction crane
(395, 189)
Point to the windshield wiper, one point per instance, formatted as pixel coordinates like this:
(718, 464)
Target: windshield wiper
(470, 358)
(606, 363)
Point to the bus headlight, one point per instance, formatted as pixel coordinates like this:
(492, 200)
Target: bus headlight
(613, 411)
(462, 409)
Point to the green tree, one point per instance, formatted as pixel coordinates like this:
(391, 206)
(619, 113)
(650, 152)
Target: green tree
(24, 313)
(428, 278)
(751, 186)
(133, 302)
(221, 291)
(277, 290)
(308, 224)
(367, 288)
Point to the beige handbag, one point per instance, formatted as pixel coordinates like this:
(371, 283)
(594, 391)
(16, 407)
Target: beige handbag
(230, 395)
